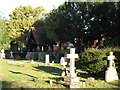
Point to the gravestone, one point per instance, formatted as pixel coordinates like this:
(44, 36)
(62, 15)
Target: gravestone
(111, 73)
(47, 58)
(2, 56)
(11, 55)
(72, 78)
(63, 63)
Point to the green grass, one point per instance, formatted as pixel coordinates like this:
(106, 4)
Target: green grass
(37, 75)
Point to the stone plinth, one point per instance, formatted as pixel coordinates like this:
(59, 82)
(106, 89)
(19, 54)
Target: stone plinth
(72, 81)
(111, 74)
(35, 55)
(41, 55)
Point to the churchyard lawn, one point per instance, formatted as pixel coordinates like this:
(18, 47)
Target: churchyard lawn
(27, 74)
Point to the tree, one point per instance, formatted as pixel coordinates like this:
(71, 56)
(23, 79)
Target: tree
(69, 21)
(4, 38)
(21, 19)
(104, 21)
(84, 20)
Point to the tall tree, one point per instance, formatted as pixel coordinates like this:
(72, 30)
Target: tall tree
(84, 20)
(21, 19)
(4, 38)
(104, 20)
(68, 21)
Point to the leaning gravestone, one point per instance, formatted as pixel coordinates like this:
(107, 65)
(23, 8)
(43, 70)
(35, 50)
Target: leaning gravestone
(2, 56)
(63, 63)
(47, 58)
(111, 73)
(72, 78)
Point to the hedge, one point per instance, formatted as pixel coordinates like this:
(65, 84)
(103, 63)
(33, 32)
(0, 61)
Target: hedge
(95, 62)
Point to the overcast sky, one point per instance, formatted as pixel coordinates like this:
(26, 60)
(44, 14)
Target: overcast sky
(7, 6)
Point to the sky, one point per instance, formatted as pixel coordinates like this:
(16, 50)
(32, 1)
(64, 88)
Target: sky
(7, 6)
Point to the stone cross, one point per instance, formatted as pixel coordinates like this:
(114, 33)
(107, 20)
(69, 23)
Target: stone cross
(47, 58)
(111, 58)
(72, 57)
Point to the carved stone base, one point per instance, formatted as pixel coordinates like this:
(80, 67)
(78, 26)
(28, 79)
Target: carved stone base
(111, 74)
(72, 81)
(75, 83)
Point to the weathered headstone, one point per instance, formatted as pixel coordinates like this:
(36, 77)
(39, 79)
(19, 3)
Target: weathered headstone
(63, 63)
(47, 58)
(72, 78)
(111, 73)
(2, 56)
(11, 55)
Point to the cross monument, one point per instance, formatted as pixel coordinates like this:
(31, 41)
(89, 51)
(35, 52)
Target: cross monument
(111, 72)
(72, 78)
(72, 57)
(111, 58)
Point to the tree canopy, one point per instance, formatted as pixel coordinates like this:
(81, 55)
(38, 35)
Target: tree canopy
(4, 38)
(21, 19)
(84, 20)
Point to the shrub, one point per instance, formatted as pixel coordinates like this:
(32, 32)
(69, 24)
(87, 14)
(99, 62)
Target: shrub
(94, 61)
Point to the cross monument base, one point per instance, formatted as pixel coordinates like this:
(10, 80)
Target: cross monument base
(111, 74)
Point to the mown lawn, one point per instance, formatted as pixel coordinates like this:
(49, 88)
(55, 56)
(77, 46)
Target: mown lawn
(38, 75)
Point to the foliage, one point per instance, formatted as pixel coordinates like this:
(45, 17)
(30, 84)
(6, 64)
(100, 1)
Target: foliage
(66, 22)
(30, 75)
(21, 19)
(4, 38)
(95, 62)
(86, 21)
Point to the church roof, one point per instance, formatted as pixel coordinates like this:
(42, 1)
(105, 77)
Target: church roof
(39, 35)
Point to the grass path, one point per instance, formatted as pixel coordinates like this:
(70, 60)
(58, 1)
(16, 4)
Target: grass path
(38, 74)
(30, 75)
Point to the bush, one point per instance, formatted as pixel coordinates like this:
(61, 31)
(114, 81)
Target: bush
(95, 62)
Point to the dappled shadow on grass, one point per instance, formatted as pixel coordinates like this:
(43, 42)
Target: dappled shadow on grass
(58, 81)
(49, 69)
(116, 84)
(57, 78)
(22, 73)
(9, 85)
(6, 84)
